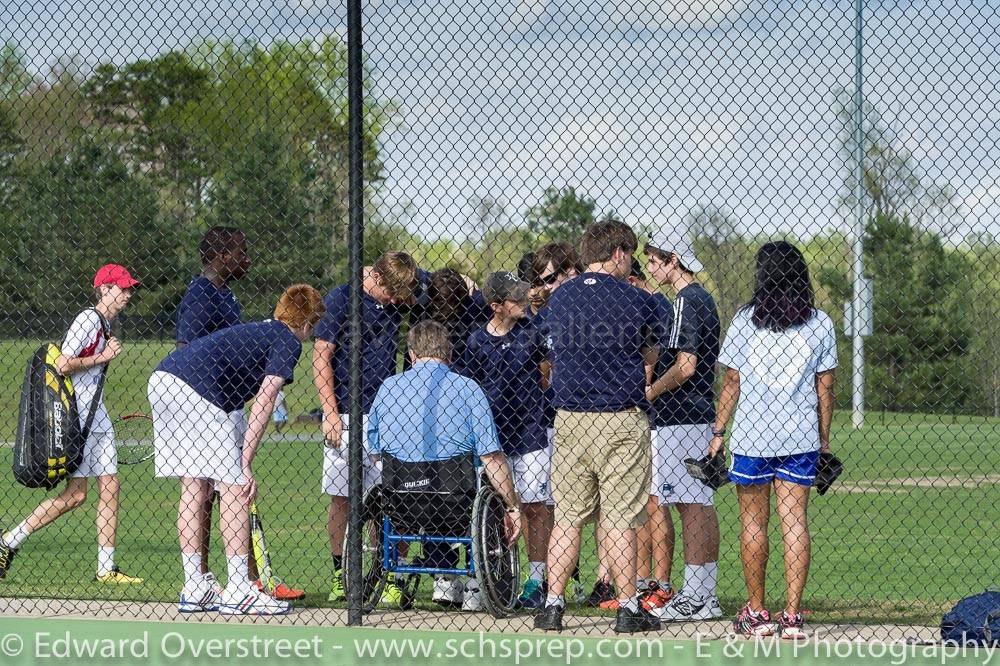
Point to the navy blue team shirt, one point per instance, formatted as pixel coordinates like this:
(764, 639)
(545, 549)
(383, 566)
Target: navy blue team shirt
(379, 339)
(228, 367)
(507, 369)
(597, 327)
(549, 412)
(693, 327)
(205, 309)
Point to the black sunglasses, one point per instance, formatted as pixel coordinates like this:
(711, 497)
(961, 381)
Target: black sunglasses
(549, 279)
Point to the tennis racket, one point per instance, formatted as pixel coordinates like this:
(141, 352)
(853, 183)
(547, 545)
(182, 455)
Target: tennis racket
(260, 554)
(134, 437)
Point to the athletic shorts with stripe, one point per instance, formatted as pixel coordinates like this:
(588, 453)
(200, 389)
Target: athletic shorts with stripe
(797, 468)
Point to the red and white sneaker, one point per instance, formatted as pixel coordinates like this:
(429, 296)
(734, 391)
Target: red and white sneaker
(251, 602)
(791, 627)
(656, 596)
(750, 624)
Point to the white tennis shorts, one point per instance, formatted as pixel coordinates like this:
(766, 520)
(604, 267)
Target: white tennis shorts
(335, 468)
(671, 482)
(192, 437)
(100, 456)
(532, 472)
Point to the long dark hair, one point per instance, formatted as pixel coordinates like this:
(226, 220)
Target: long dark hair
(782, 295)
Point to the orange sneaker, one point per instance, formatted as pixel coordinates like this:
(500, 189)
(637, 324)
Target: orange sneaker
(281, 591)
(656, 597)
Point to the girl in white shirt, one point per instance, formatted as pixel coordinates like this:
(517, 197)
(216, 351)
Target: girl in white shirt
(780, 353)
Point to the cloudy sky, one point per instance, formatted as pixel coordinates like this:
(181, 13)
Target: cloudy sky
(651, 108)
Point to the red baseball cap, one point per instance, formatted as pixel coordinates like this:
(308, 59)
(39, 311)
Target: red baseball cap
(115, 274)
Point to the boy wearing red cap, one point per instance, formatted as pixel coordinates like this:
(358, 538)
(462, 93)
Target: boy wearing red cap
(88, 347)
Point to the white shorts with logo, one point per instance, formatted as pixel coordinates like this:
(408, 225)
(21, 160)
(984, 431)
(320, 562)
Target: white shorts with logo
(532, 472)
(335, 467)
(192, 437)
(671, 482)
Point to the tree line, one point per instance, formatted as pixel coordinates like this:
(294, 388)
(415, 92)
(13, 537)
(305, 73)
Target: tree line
(132, 163)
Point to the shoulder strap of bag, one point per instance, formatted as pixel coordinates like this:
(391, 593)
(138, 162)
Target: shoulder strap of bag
(106, 332)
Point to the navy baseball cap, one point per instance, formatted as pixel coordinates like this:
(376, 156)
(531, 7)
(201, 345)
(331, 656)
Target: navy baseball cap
(504, 286)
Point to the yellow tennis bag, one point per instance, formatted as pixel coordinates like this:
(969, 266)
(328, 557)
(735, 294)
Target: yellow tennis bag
(49, 444)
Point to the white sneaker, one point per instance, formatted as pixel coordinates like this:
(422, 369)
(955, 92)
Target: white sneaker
(448, 590)
(213, 581)
(198, 597)
(251, 602)
(472, 597)
(685, 608)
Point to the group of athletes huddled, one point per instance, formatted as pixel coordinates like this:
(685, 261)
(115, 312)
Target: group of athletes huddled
(598, 387)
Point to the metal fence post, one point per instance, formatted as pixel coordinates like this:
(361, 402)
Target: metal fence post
(356, 235)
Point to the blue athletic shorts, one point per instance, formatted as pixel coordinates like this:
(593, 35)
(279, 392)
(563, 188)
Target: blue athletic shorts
(799, 468)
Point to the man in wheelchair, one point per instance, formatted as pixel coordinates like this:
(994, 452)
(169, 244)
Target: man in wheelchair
(426, 426)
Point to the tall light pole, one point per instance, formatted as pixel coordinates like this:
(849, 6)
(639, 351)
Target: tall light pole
(859, 304)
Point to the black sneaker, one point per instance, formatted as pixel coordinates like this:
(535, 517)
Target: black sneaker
(6, 558)
(630, 622)
(550, 618)
(603, 591)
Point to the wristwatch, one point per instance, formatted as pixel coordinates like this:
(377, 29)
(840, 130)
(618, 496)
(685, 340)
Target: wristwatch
(718, 433)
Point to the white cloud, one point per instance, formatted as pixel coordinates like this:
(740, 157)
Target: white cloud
(675, 13)
(524, 15)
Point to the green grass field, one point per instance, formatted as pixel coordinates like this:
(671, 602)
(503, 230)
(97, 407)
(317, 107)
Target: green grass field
(896, 552)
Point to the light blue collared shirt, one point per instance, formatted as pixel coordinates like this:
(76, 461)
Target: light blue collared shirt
(429, 413)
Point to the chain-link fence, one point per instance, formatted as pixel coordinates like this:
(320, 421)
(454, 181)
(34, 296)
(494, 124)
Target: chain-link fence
(646, 231)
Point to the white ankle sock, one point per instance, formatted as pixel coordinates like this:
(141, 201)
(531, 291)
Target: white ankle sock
(238, 580)
(16, 536)
(709, 581)
(105, 560)
(554, 600)
(536, 571)
(630, 604)
(192, 567)
(699, 579)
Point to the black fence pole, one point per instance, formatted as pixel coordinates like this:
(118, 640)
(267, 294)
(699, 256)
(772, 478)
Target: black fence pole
(356, 235)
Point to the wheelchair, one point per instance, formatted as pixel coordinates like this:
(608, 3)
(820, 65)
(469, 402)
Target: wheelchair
(443, 504)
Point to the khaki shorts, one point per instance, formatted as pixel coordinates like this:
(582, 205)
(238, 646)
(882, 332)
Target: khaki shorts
(601, 462)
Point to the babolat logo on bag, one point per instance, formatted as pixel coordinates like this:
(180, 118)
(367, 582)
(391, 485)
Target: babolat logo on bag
(49, 442)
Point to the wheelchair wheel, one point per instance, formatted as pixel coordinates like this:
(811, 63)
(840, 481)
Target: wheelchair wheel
(373, 574)
(498, 565)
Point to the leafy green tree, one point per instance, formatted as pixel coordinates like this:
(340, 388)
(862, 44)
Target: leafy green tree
(726, 255)
(918, 358)
(142, 108)
(263, 194)
(73, 213)
(561, 215)
(51, 113)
